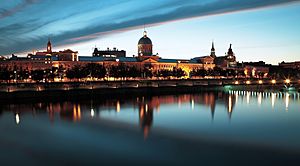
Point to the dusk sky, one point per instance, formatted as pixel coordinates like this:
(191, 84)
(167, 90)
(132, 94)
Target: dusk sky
(267, 30)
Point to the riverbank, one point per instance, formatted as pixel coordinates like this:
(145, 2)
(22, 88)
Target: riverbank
(111, 89)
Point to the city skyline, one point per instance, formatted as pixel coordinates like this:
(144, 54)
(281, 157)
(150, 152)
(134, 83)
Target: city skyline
(258, 30)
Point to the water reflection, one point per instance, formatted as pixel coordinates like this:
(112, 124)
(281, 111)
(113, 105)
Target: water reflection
(148, 107)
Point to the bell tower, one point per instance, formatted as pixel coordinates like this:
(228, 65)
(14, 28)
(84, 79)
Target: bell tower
(213, 51)
(49, 46)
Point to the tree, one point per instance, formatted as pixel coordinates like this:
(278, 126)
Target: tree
(37, 75)
(5, 74)
(94, 70)
(76, 72)
(178, 72)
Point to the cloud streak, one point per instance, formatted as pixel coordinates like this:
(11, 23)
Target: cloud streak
(62, 21)
(8, 12)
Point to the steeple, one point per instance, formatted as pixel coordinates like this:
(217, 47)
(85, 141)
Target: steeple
(212, 46)
(49, 46)
(213, 53)
(230, 52)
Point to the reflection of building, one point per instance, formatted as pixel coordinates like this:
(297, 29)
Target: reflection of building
(145, 118)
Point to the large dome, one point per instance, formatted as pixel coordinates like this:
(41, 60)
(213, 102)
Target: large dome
(145, 39)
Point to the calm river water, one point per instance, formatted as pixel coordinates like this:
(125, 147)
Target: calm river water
(209, 128)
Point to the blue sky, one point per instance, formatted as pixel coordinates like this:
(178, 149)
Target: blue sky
(258, 29)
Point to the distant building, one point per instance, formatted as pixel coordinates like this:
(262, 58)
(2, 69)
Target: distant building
(115, 53)
(227, 61)
(290, 65)
(146, 59)
(66, 55)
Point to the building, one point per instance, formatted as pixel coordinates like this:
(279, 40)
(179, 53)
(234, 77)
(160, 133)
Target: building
(227, 61)
(115, 53)
(290, 65)
(67, 59)
(146, 59)
(145, 46)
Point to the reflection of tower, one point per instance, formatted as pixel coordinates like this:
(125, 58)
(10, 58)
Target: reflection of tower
(49, 46)
(213, 108)
(145, 118)
(71, 111)
(145, 46)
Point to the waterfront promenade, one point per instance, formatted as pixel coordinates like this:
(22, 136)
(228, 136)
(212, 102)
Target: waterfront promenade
(16, 91)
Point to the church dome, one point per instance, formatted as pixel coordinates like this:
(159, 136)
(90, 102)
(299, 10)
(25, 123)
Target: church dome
(145, 39)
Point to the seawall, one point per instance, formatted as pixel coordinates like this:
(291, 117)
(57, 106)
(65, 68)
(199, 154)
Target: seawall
(84, 90)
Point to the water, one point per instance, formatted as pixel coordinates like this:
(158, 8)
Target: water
(210, 128)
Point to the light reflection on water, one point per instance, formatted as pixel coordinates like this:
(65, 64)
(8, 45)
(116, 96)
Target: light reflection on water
(256, 118)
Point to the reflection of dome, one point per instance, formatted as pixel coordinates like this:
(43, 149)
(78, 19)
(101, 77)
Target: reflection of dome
(145, 39)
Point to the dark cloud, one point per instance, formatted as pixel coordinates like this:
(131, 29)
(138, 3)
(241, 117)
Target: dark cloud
(5, 13)
(175, 11)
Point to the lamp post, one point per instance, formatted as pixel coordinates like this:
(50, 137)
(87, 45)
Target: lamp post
(15, 73)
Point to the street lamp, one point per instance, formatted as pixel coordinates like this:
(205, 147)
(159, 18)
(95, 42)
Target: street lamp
(15, 72)
(273, 81)
(287, 81)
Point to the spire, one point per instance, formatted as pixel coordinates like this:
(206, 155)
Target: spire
(49, 46)
(213, 53)
(145, 33)
(230, 52)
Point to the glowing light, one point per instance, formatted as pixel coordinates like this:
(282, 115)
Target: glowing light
(229, 104)
(236, 82)
(17, 119)
(259, 98)
(146, 107)
(248, 82)
(287, 99)
(92, 112)
(193, 104)
(287, 81)
(260, 82)
(273, 97)
(248, 97)
(273, 81)
(118, 106)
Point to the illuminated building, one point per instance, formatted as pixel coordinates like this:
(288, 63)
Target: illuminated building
(145, 46)
(67, 59)
(227, 61)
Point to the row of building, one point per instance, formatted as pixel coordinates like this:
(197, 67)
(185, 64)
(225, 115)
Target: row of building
(145, 59)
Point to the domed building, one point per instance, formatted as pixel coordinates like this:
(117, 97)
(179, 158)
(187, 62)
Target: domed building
(145, 46)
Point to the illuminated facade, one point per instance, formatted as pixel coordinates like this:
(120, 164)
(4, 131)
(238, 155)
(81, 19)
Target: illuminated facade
(67, 59)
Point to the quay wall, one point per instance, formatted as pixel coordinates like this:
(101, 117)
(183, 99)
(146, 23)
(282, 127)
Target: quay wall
(14, 92)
